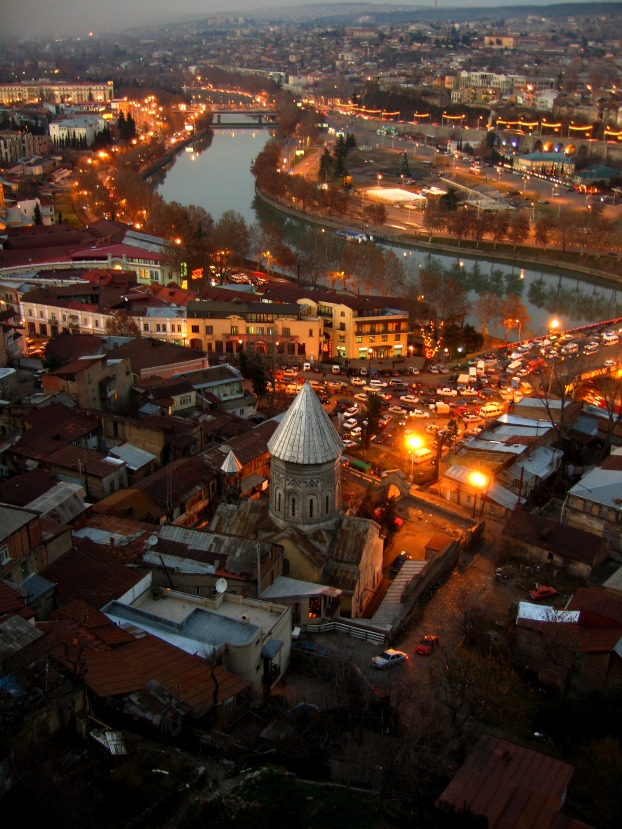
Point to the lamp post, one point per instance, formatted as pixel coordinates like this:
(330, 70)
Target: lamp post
(379, 177)
(370, 352)
(520, 325)
(413, 442)
(478, 480)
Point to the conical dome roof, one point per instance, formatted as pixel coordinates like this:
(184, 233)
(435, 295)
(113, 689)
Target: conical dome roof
(306, 435)
(231, 465)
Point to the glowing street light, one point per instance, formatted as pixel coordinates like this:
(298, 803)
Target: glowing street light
(479, 481)
(413, 442)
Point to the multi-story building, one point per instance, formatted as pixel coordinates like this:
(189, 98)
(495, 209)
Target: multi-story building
(82, 128)
(226, 328)
(59, 92)
(94, 382)
(354, 327)
(16, 145)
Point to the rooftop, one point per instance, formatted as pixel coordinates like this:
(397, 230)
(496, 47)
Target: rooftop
(306, 434)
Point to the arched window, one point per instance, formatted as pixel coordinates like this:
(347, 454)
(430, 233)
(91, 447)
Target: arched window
(293, 504)
(278, 501)
(311, 507)
(327, 505)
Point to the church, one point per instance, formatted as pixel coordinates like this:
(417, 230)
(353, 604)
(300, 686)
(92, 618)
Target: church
(332, 562)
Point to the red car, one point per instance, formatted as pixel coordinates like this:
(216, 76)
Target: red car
(542, 592)
(427, 645)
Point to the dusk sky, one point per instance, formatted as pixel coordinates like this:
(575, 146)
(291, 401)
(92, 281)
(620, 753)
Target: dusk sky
(46, 18)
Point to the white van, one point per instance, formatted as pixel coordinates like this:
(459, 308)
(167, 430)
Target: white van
(336, 369)
(422, 455)
(490, 410)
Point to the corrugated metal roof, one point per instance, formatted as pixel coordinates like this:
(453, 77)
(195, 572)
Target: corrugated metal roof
(509, 784)
(545, 613)
(284, 587)
(131, 664)
(306, 434)
(134, 457)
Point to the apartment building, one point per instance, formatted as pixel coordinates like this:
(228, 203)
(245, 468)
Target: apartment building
(56, 93)
(226, 328)
(16, 145)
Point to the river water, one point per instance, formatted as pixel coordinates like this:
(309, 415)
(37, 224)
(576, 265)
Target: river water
(219, 179)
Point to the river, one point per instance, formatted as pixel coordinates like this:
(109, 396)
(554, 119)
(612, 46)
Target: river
(219, 179)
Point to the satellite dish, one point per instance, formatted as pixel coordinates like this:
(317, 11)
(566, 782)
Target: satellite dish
(221, 586)
(152, 540)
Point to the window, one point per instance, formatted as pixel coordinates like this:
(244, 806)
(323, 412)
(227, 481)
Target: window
(25, 569)
(293, 507)
(315, 607)
(234, 329)
(326, 506)
(384, 338)
(158, 326)
(278, 501)
(145, 326)
(398, 337)
(209, 329)
(194, 329)
(179, 329)
(343, 313)
(310, 332)
(286, 332)
(311, 506)
(4, 554)
(359, 339)
(184, 399)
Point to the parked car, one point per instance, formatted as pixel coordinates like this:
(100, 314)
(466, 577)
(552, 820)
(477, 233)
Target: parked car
(399, 561)
(389, 658)
(542, 591)
(420, 413)
(357, 381)
(409, 398)
(427, 644)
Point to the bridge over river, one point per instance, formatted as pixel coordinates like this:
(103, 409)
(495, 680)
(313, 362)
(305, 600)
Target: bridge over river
(225, 117)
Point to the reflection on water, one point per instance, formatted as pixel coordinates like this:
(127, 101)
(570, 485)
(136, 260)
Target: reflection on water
(219, 179)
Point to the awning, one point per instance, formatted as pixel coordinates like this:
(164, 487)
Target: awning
(271, 649)
(251, 481)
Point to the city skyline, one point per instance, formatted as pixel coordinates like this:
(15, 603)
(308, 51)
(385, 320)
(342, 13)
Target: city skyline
(58, 18)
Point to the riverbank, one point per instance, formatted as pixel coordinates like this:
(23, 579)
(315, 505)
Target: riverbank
(522, 256)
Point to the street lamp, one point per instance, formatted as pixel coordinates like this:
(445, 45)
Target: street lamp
(413, 442)
(553, 325)
(379, 178)
(478, 481)
(370, 351)
(520, 325)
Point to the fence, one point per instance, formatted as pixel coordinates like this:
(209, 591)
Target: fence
(350, 627)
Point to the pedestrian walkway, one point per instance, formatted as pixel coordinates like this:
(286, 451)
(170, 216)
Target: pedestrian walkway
(391, 606)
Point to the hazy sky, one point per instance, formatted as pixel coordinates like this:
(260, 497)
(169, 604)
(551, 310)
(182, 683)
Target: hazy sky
(46, 18)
